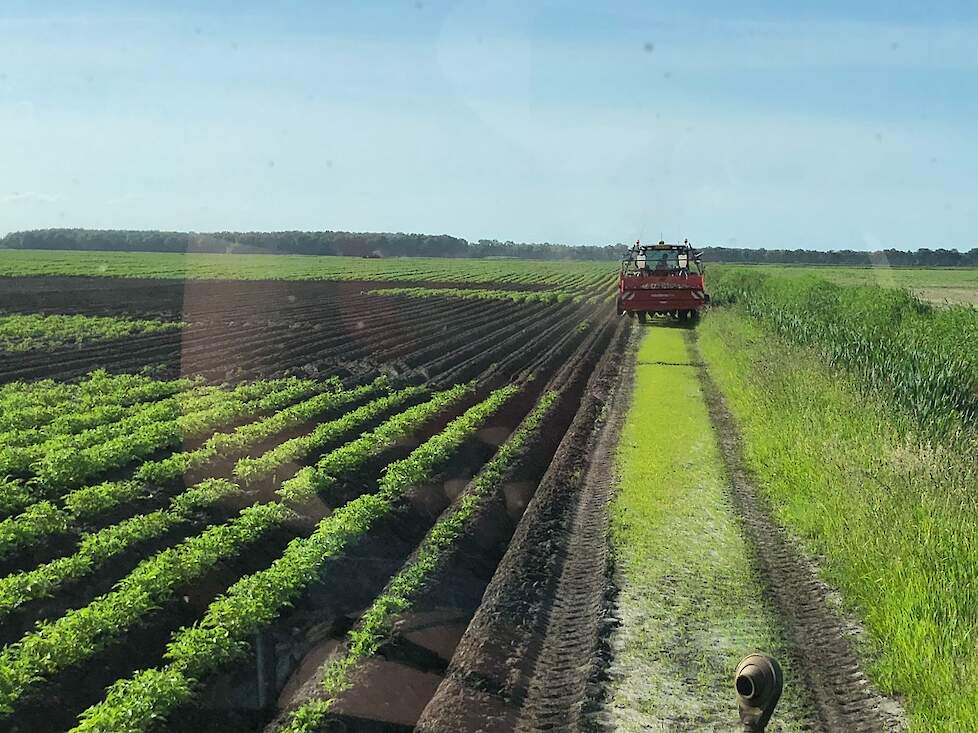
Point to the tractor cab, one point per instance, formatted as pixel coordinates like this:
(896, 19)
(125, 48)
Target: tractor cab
(661, 279)
(662, 259)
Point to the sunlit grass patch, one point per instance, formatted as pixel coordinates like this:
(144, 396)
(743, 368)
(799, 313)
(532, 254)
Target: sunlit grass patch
(690, 605)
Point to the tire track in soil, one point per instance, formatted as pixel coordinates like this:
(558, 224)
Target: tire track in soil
(558, 692)
(488, 682)
(425, 637)
(820, 641)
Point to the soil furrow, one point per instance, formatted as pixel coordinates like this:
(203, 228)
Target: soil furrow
(490, 673)
(557, 694)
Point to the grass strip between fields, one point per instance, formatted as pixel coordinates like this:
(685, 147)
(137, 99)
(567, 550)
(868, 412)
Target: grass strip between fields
(227, 629)
(689, 603)
(83, 632)
(889, 510)
(377, 621)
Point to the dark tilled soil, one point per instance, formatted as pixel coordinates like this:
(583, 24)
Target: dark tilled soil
(245, 330)
(819, 639)
(500, 671)
(185, 298)
(415, 660)
(569, 659)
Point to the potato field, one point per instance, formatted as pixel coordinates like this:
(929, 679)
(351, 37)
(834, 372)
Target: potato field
(210, 486)
(287, 493)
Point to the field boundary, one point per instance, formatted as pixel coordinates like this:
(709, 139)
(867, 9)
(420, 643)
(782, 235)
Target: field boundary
(818, 637)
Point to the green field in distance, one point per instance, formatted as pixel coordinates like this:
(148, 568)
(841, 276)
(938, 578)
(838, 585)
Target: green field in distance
(954, 285)
(207, 266)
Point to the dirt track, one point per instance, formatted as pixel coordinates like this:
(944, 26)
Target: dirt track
(533, 655)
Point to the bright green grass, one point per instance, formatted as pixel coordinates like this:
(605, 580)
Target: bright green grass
(688, 601)
(893, 516)
(954, 285)
(302, 267)
(36, 332)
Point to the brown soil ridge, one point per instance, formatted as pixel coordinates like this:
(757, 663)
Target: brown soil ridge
(558, 697)
(491, 682)
(818, 638)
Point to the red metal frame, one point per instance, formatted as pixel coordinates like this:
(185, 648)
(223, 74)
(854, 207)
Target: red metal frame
(666, 293)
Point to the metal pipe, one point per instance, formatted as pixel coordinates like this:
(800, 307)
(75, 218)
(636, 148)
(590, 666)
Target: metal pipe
(758, 683)
(266, 669)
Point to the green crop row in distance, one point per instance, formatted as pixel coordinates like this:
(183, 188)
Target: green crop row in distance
(299, 267)
(516, 296)
(19, 333)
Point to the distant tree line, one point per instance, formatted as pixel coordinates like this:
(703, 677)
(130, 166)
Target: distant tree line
(885, 257)
(369, 244)
(305, 243)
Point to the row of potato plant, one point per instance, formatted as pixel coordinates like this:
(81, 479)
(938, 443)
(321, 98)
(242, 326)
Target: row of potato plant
(66, 466)
(28, 332)
(42, 516)
(517, 296)
(377, 621)
(310, 481)
(19, 457)
(85, 504)
(80, 633)
(25, 404)
(35, 424)
(23, 459)
(96, 548)
(254, 602)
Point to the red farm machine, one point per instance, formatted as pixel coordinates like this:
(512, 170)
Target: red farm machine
(661, 279)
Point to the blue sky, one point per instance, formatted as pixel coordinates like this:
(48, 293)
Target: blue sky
(747, 124)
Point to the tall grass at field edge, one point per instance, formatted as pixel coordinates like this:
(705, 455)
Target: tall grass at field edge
(923, 357)
(888, 508)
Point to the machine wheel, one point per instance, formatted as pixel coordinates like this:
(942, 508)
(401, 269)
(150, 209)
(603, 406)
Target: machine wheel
(642, 317)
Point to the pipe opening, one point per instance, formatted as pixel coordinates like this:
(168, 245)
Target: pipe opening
(745, 686)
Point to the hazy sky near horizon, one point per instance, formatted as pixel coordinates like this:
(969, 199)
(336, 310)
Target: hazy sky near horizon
(803, 124)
